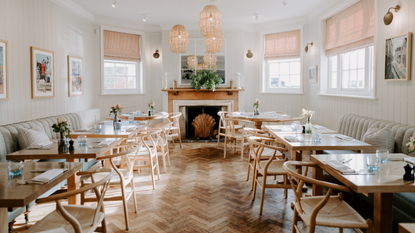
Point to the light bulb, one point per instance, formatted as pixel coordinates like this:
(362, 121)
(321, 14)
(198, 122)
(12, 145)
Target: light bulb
(114, 3)
(180, 36)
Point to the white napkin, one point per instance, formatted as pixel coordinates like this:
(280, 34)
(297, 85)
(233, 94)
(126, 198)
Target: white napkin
(40, 145)
(85, 129)
(343, 137)
(318, 127)
(339, 166)
(291, 139)
(102, 144)
(163, 113)
(48, 176)
(104, 122)
(126, 115)
(409, 160)
(131, 129)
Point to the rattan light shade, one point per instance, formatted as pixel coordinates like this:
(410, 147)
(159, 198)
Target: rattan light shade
(179, 39)
(192, 61)
(214, 43)
(210, 20)
(210, 58)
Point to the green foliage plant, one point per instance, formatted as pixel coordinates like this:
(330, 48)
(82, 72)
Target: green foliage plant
(207, 78)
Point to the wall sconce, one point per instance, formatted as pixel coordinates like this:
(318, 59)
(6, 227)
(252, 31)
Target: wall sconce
(249, 54)
(156, 55)
(306, 46)
(387, 19)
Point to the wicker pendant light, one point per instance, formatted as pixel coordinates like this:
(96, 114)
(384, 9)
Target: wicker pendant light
(214, 43)
(210, 58)
(192, 61)
(210, 20)
(179, 39)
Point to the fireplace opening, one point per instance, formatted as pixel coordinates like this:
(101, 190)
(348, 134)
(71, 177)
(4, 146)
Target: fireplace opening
(202, 122)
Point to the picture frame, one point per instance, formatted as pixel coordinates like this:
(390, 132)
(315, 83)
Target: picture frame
(312, 74)
(42, 73)
(4, 78)
(75, 76)
(398, 57)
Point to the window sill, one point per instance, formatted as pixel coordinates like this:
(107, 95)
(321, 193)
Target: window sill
(124, 94)
(350, 96)
(283, 93)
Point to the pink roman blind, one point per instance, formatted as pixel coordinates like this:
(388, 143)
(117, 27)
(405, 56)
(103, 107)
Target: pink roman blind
(121, 46)
(351, 29)
(283, 45)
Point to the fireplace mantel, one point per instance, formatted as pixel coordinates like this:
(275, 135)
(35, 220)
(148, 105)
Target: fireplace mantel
(193, 94)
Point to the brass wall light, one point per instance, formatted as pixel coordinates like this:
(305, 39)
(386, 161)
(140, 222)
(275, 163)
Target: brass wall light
(306, 46)
(249, 54)
(156, 55)
(387, 19)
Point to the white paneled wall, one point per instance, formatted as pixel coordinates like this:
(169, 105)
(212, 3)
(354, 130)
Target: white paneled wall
(43, 24)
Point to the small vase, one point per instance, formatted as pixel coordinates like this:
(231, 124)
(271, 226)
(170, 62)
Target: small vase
(256, 111)
(308, 126)
(152, 110)
(62, 143)
(115, 120)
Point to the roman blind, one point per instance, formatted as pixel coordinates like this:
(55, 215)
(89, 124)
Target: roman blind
(121, 46)
(283, 45)
(351, 29)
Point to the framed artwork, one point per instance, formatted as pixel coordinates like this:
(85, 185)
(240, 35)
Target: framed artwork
(398, 57)
(312, 74)
(75, 76)
(43, 78)
(4, 79)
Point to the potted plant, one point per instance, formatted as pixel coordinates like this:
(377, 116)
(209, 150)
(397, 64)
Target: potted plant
(62, 127)
(205, 78)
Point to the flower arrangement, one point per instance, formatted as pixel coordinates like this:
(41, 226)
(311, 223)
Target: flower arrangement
(411, 144)
(116, 110)
(151, 105)
(307, 113)
(62, 127)
(256, 106)
(207, 78)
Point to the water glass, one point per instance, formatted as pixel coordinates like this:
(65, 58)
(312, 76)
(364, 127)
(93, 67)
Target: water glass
(15, 167)
(372, 162)
(317, 135)
(294, 127)
(383, 155)
(82, 139)
(117, 125)
(138, 113)
(97, 128)
(131, 120)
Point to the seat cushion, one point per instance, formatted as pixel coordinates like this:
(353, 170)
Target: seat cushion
(54, 222)
(29, 137)
(380, 139)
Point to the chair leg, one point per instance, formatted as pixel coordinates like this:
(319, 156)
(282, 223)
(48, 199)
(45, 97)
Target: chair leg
(264, 183)
(285, 190)
(168, 155)
(340, 230)
(254, 180)
(242, 149)
(180, 138)
(218, 137)
(164, 161)
(152, 175)
(249, 169)
(295, 220)
(124, 202)
(234, 146)
(225, 147)
(134, 197)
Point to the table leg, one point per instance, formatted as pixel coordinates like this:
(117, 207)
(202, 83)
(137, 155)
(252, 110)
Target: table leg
(73, 184)
(107, 163)
(382, 212)
(258, 124)
(318, 175)
(4, 220)
(297, 156)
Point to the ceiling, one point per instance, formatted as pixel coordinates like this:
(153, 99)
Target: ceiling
(239, 12)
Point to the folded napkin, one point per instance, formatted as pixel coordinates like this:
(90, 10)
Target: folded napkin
(102, 144)
(343, 137)
(409, 160)
(104, 122)
(85, 129)
(126, 115)
(48, 176)
(339, 166)
(131, 129)
(291, 139)
(40, 145)
(318, 127)
(163, 113)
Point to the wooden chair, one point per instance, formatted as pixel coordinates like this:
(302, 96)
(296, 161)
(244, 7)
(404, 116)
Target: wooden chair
(233, 135)
(175, 118)
(222, 125)
(76, 218)
(270, 167)
(260, 136)
(328, 211)
(163, 144)
(123, 178)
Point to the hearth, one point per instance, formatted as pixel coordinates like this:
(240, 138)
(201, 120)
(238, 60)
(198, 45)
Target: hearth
(202, 122)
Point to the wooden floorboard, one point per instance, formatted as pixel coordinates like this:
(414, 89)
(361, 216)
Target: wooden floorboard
(201, 192)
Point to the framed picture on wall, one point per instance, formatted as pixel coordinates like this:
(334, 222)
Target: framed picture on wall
(75, 76)
(398, 57)
(312, 74)
(4, 79)
(43, 78)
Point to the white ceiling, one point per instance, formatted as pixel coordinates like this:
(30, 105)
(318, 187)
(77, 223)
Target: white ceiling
(234, 12)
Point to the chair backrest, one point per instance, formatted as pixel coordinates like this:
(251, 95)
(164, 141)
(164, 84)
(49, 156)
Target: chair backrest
(104, 182)
(175, 118)
(163, 127)
(153, 138)
(230, 126)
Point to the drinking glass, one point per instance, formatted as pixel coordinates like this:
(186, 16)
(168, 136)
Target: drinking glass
(82, 139)
(317, 135)
(131, 120)
(372, 162)
(97, 128)
(294, 127)
(14, 167)
(383, 155)
(138, 113)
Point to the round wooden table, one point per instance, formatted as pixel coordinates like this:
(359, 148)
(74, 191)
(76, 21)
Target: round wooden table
(263, 117)
(142, 117)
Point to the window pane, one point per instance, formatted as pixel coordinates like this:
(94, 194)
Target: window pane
(361, 58)
(353, 60)
(109, 68)
(130, 82)
(120, 82)
(284, 68)
(333, 80)
(361, 78)
(345, 79)
(353, 79)
(295, 68)
(345, 61)
(275, 82)
(108, 82)
(333, 62)
(285, 81)
(131, 69)
(274, 68)
(295, 81)
(120, 69)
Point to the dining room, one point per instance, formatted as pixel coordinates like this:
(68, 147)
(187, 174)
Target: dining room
(207, 116)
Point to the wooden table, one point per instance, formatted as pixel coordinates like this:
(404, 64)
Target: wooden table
(386, 181)
(273, 129)
(406, 227)
(142, 117)
(83, 152)
(260, 119)
(15, 195)
(107, 131)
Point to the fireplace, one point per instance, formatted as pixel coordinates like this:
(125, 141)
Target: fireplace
(202, 122)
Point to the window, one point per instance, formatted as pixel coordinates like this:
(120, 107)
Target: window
(122, 66)
(283, 73)
(282, 62)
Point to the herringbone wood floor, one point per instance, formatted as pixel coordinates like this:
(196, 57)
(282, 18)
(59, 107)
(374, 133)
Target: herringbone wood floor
(201, 192)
